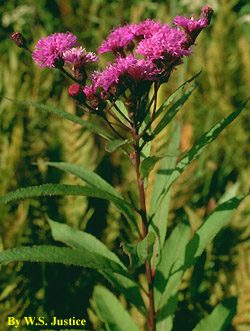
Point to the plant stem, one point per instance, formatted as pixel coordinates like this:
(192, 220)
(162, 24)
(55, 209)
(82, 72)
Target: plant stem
(143, 212)
(66, 73)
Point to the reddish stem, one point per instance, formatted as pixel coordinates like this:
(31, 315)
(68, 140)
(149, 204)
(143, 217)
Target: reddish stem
(143, 213)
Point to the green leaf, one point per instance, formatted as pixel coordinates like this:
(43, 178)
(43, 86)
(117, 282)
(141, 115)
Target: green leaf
(196, 150)
(64, 255)
(171, 113)
(87, 176)
(123, 110)
(195, 247)
(88, 243)
(220, 217)
(63, 189)
(159, 211)
(82, 258)
(111, 311)
(220, 318)
(175, 94)
(148, 164)
(113, 145)
(138, 254)
(91, 125)
(173, 255)
(82, 240)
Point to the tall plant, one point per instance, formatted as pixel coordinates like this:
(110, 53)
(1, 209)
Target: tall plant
(122, 102)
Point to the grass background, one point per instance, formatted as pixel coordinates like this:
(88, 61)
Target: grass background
(28, 136)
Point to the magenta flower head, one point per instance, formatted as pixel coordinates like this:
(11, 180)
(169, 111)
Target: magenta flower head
(146, 28)
(78, 56)
(105, 79)
(49, 50)
(190, 24)
(166, 42)
(117, 40)
(138, 69)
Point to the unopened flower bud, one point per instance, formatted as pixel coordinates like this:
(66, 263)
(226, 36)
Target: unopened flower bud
(76, 92)
(18, 39)
(207, 13)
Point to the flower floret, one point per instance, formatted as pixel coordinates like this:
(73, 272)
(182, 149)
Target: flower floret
(50, 49)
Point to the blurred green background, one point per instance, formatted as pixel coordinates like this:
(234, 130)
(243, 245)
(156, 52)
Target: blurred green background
(28, 136)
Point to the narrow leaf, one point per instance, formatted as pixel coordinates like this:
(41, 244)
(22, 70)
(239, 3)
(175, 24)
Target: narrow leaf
(87, 176)
(173, 255)
(148, 164)
(175, 94)
(111, 311)
(196, 246)
(53, 254)
(79, 239)
(113, 145)
(196, 150)
(88, 243)
(63, 189)
(139, 253)
(82, 258)
(159, 211)
(171, 113)
(220, 318)
(210, 228)
(90, 125)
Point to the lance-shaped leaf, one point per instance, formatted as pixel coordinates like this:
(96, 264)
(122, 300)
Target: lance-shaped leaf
(111, 270)
(91, 178)
(176, 95)
(148, 164)
(173, 255)
(86, 242)
(173, 110)
(63, 189)
(138, 254)
(220, 318)
(113, 145)
(159, 212)
(196, 246)
(196, 150)
(95, 126)
(111, 311)
(82, 240)
(64, 255)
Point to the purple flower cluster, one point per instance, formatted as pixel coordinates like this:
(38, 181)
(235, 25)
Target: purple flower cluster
(144, 52)
(129, 66)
